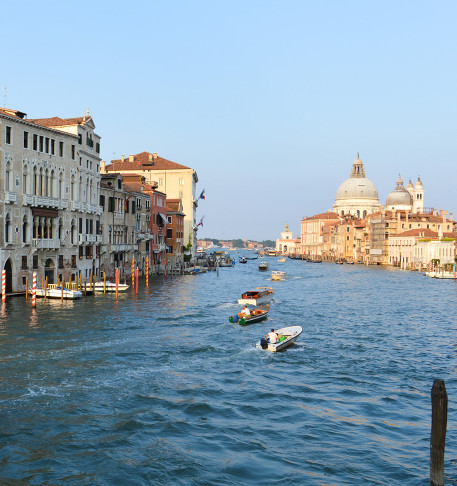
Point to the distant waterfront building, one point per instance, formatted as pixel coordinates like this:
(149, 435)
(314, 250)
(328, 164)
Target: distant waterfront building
(357, 195)
(287, 244)
(175, 234)
(313, 230)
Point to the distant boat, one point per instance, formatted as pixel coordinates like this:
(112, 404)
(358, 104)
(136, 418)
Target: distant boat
(243, 260)
(277, 275)
(282, 260)
(290, 336)
(263, 266)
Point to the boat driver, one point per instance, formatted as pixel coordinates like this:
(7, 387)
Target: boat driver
(273, 337)
(246, 312)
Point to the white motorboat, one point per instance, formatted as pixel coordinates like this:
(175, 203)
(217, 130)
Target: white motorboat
(55, 292)
(282, 260)
(278, 275)
(110, 286)
(263, 266)
(288, 336)
(261, 295)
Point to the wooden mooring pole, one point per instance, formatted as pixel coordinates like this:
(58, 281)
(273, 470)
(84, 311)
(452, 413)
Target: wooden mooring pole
(438, 433)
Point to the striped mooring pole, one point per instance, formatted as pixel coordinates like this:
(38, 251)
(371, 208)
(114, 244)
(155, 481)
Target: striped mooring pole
(147, 271)
(34, 290)
(133, 272)
(3, 285)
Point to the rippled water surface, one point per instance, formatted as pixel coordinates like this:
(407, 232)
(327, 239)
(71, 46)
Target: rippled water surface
(159, 388)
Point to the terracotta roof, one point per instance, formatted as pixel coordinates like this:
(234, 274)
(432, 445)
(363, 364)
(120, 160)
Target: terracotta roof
(59, 122)
(424, 233)
(329, 215)
(142, 160)
(136, 187)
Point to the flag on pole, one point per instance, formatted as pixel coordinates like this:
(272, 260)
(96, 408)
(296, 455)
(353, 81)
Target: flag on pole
(202, 195)
(201, 223)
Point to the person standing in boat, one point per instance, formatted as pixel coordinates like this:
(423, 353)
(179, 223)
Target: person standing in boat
(246, 312)
(273, 337)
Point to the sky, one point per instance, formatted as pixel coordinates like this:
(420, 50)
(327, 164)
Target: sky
(269, 101)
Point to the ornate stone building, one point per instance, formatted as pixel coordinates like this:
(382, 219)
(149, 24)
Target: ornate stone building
(49, 197)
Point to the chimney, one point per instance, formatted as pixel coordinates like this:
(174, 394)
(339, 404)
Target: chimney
(131, 157)
(435, 213)
(154, 156)
(122, 158)
(150, 157)
(103, 165)
(450, 216)
(406, 216)
(443, 215)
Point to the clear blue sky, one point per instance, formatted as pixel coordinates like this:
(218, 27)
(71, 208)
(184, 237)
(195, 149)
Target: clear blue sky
(269, 101)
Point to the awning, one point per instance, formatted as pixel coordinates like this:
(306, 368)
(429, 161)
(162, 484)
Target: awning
(164, 218)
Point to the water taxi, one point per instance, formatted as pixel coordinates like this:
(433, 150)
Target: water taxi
(263, 266)
(277, 275)
(288, 336)
(261, 295)
(282, 260)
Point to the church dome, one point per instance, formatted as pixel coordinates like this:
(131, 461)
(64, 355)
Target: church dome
(399, 198)
(357, 186)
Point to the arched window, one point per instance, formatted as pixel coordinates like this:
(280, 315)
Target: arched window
(358, 213)
(25, 172)
(60, 186)
(60, 228)
(8, 177)
(72, 188)
(7, 228)
(24, 229)
(365, 213)
(35, 182)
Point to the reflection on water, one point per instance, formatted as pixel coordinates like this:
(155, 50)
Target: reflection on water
(159, 388)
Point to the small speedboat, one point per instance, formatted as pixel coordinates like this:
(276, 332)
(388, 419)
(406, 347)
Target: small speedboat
(261, 295)
(110, 286)
(57, 293)
(278, 275)
(243, 260)
(257, 315)
(288, 336)
(263, 266)
(281, 260)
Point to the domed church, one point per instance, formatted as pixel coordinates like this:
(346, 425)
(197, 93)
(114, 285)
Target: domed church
(410, 199)
(357, 195)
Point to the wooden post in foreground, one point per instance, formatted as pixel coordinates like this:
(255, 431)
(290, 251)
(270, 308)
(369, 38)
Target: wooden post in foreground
(26, 288)
(438, 433)
(136, 288)
(147, 271)
(117, 283)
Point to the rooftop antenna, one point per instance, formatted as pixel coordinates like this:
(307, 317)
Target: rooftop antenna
(4, 96)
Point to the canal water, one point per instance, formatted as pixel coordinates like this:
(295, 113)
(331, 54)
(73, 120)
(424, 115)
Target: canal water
(159, 388)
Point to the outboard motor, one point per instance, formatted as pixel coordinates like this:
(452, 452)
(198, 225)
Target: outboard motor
(264, 343)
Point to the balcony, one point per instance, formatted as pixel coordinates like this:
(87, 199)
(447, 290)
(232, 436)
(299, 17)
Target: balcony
(161, 247)
(45, 201)
(99, 238)
(75, 205)
(10, 197)
(46, 243)
(27, 199)
(122, 247)
(81, 239)
(63, 204)
(91, 238)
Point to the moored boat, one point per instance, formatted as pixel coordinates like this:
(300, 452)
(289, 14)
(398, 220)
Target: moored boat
(263, 266)
(110, 286)
(261, 295)
(56, 292)
(290, 335)
(243, 260)
(282, 260)
(257, 315)
(278, 275)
